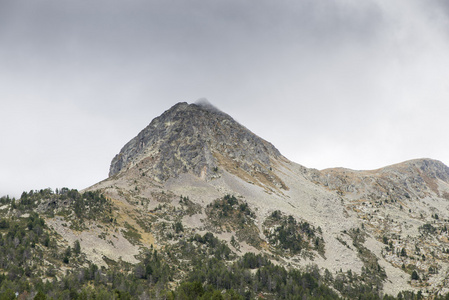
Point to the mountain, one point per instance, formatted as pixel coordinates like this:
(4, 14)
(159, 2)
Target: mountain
(199, 152)
(197, 138)
(197, 198)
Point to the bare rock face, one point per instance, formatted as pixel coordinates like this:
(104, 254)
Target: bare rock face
(196, 138)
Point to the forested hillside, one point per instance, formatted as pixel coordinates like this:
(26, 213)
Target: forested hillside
(36, 263)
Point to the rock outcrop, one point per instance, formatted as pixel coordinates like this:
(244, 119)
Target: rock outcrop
(412, 179)
(200, 139)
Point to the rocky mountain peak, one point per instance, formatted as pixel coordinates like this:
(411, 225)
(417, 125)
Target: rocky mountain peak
(200, 139)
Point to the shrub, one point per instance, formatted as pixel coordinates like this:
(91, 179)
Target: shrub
(415, 275)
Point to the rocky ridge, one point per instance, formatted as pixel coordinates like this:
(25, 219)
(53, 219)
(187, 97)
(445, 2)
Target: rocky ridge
(200, 139)
(412, 179)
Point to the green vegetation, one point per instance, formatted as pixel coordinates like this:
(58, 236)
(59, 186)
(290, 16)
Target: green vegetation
(286, 234)
(24, 239)
(232, 209)
(188, 206)
(74, 206)
(213, 267)
(210, 268)
(415, 275)
(131, 234)
(37, 264)
(427, 229)
(231, 214)
(370, 281)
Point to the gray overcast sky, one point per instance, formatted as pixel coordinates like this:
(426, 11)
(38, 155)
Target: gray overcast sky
(358, 84)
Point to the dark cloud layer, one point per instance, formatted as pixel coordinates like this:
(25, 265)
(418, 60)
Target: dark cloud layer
(348, 83)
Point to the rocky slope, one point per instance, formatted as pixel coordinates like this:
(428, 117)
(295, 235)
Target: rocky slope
(406, 207)
(196, 138)
(378, 226)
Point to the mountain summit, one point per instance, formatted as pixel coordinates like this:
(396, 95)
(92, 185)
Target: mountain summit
(199, 139)
(198, 169)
